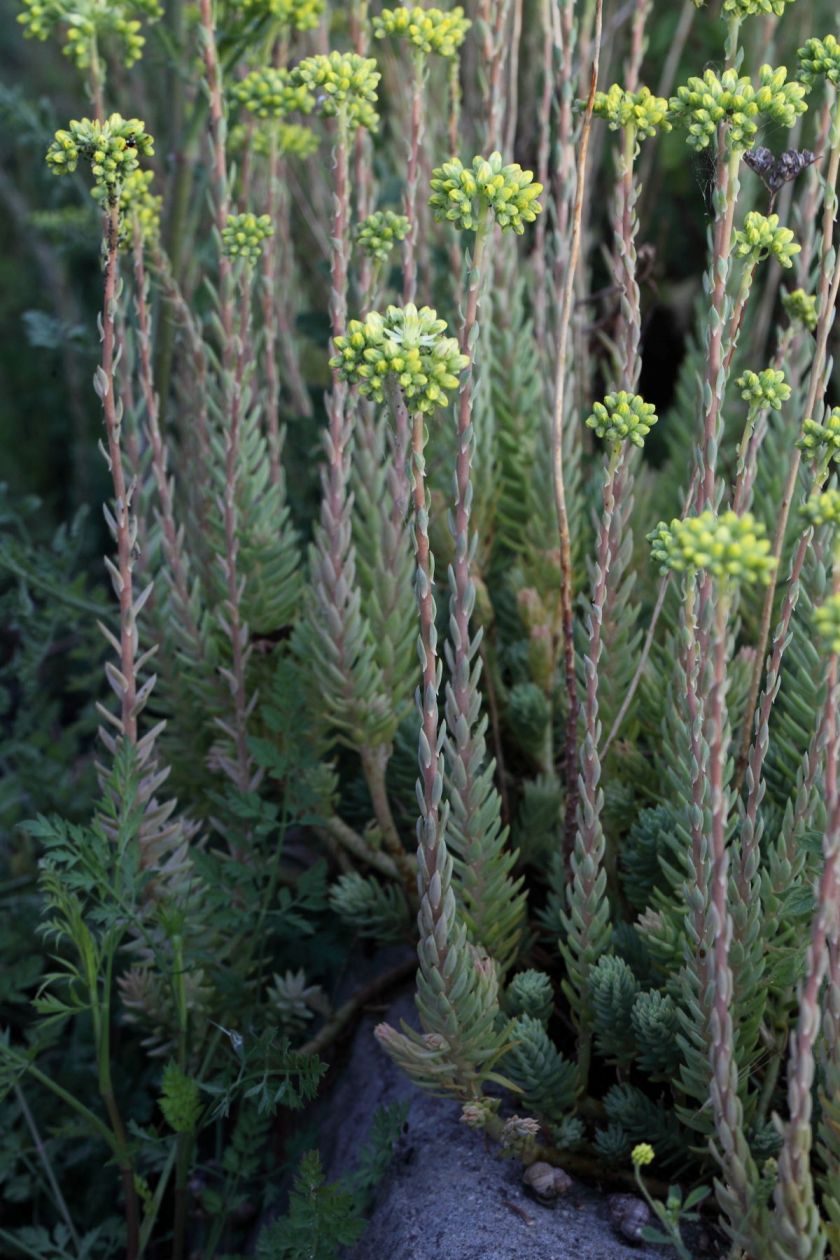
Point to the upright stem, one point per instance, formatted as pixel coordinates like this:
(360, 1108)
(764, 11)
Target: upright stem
(122, 522)
(567, 577)
(269, 313)
(415, 141)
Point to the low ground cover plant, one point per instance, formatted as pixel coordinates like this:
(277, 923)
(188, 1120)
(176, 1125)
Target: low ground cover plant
(441, 611)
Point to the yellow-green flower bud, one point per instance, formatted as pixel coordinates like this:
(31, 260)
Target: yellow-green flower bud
(377, 235)
(271, 93)
(820, 57)
(801, 307)
(726, 546)
(243, 235)
(822, 441)
(827, 621)
(762, 236)
(405, 345)
(460, 194)
(822, 508)
(642, 110)
(429, 30)
(623, 417)
(766, 389)
(113, 149)
(642, 1154)
(342, 83)
(703, 105)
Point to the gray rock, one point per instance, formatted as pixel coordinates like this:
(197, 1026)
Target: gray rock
(450, 1195)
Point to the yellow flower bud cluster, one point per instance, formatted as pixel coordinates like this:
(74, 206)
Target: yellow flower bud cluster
(801, 307)
(429, 30)
(827, 621)
(461, 193)
(377, 235)
(822, 508)
(341, 83)
(139, 204)
(86, 22)
(703, 105)
(405, 344)
(243, 235)
(291, 139)
(298, 15)
(271, 93)
(623, 417)
(822, 440)
(754, 8)
(767, 388)
(641, 110)
(725, 545)
(762, 236)
(820, 57)
(113, 149)
(642, 1154)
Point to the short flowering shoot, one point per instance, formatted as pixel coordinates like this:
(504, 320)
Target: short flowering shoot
(727, 546)
(377, 235)
(272, 93)
(428, 30)
(243, 236)
(113, 150)
(343, 85)
(762, 237)
(622, 417)
(730, 100)
(641, 110)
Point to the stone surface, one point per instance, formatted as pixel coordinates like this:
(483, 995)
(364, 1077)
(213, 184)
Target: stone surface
(449, 1195)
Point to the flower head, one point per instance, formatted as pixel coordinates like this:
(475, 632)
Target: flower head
(243, 235)
(642, 1154)
(765, 389)
(822, 441)
(429, 30)
(801, 307)
(725, 545)
(342, 84)
(820, 57)
(271, 93)
(642, 110)
(623, 417)
(405, 344)
(87, 23)
(290, 139)
(754, 8)
(377, 235)
(827, 621)
(703, 105)
(113, 148)
(461, 193)
(762, 236)
(298, 15)
(139, 204)
(822, 508)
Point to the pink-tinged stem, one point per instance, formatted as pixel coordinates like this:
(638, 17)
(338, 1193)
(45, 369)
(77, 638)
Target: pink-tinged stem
(415, 140)
(123, 524)
(567, 577)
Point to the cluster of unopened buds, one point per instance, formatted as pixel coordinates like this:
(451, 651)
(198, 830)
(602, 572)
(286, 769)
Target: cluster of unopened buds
(271, 93)
(298, 15)
(343, 85)
(827, 621)
(762, 236)
(622, 417)
(641, 110)
(820, 58)
(703, 105)
(822, 440)
(726, 546)
(87, 22)
(429, 30)
(767, 388)
(407, 345)
(822, 508)
(463, 194)
(243, 235)
(754, 8)
(377, 235)
(113, 148)
(801, 307)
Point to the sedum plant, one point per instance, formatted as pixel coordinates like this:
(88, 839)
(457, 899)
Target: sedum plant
(610, 820)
